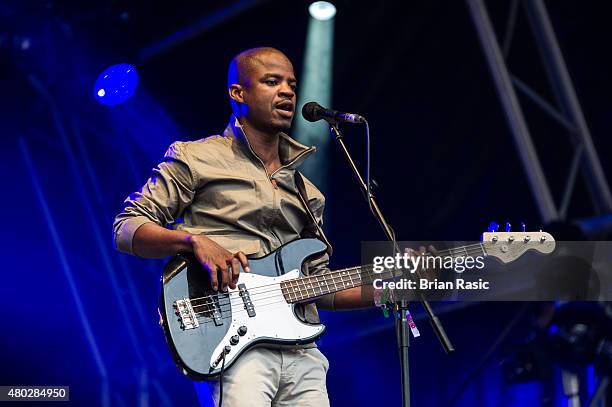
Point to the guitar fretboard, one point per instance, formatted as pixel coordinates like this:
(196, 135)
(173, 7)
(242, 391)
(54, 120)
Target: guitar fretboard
(309, 287)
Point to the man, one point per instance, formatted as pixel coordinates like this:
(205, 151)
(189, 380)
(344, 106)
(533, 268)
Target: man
(237, 196)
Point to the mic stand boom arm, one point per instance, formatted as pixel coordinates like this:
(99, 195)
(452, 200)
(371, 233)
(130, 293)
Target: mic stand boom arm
(402, 305)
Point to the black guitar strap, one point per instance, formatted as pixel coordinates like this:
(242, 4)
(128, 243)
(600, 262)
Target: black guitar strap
(313, 229)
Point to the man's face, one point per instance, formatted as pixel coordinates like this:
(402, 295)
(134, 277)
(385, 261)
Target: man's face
(269, 93)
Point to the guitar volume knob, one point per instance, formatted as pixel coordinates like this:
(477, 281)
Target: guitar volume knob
(242, 330)
(234, 340)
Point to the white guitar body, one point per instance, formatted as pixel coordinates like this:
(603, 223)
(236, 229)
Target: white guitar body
(275, 319)
(208, 330)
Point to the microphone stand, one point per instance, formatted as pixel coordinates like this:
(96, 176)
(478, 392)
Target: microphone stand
(401, 306)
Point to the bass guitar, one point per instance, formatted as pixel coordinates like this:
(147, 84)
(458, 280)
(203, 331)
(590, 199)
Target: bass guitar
(207, 331)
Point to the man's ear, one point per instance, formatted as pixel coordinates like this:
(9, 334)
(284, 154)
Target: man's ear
(236, 93)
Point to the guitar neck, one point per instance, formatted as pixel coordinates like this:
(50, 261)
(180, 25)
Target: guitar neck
(310, 287)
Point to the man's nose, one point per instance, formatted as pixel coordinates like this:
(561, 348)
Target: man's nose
(286, 90)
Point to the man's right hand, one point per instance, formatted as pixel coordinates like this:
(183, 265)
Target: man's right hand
(215, 258)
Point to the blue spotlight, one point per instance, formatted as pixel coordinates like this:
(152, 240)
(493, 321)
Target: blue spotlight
(116, 84)
(316, 85)
(322, 10)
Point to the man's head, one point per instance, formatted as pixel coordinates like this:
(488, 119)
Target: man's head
(261, 85)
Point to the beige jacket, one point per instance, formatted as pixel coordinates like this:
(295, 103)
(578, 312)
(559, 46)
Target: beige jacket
(219, 187)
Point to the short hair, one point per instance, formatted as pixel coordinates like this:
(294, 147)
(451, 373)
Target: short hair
(243, 63)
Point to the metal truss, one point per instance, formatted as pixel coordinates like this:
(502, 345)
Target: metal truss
(567, 112)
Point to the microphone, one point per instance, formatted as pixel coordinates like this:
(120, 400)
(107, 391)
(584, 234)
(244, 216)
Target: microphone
(312, 111)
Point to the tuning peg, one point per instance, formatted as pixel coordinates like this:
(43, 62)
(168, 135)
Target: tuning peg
(508, 226)
(523, 226)
(493, 227)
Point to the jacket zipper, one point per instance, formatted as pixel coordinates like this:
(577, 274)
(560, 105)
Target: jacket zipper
(272, 181)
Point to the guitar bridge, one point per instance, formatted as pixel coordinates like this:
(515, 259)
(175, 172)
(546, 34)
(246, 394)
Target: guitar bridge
(186, 315)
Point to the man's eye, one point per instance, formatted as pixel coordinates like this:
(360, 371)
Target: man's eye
(271, 82)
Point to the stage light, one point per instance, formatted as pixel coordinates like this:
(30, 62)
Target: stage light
(316, 85)
(116, 84)
(322, 10)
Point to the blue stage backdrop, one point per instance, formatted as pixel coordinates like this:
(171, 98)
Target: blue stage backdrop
(75, 312)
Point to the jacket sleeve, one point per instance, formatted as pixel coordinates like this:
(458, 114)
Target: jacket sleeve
(164, 197)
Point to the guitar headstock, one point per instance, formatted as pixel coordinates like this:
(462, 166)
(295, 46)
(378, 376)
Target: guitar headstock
(509, 246)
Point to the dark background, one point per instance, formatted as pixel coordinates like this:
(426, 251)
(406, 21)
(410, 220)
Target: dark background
(441, 152)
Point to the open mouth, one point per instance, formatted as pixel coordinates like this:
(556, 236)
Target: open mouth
(286, 107)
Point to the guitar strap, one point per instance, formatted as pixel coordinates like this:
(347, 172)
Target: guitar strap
(313, 229)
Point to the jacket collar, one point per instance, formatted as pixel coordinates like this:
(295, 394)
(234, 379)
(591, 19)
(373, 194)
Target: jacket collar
(292, 153)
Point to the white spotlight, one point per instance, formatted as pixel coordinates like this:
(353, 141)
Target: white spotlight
(322, 10)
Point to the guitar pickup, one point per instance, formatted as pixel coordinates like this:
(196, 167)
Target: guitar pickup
(186, 315)
(216, 312)
(248, 304)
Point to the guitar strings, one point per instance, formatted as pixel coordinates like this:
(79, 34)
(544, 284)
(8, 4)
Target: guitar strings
(241, 310)
(228, 306)
(304, 287)
(224, 307)
(210, 319)
(254, 289)
(352, 271)
(358, 279)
